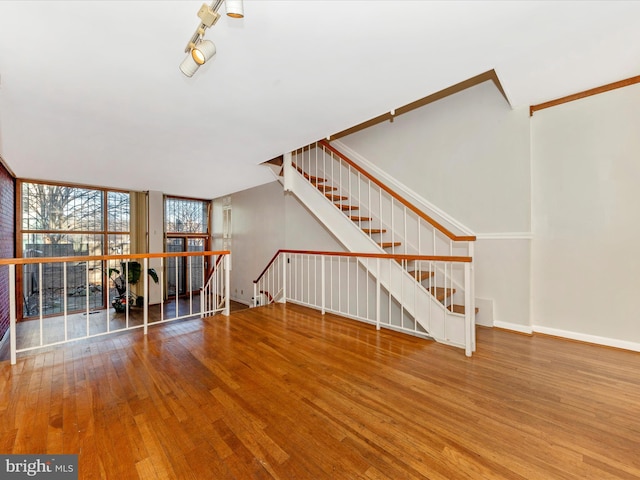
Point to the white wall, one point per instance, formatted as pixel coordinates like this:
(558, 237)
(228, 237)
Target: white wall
(257, 226)
(469, 155)
(502, 276)
(586, 217)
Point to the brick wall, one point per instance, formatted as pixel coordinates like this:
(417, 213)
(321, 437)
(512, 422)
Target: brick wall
(7, 241)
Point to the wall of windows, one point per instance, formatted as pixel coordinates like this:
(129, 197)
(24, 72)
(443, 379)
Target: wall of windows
(62, 221)
(186, 226)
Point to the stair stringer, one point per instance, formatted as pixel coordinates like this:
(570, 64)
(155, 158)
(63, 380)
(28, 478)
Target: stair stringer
(440, 324)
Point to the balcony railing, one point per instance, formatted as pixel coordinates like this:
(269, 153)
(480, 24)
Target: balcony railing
(376, 289)
(64, 299)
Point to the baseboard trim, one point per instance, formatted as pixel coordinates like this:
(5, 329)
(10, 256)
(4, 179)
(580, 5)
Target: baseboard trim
(586, 338)
(243, 302)
(526, 329)
(566, 334)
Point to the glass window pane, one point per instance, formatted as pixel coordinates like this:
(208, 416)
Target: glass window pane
(55, 207)
(186, 216)
(195, 269)
(175, 268)
(47, 283)
(117, 212)
(119, 244)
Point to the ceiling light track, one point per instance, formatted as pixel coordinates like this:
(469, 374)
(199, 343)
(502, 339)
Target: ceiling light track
(200, 51)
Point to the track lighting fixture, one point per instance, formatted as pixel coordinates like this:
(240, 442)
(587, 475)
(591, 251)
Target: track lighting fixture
(234, 8)
(200, 51)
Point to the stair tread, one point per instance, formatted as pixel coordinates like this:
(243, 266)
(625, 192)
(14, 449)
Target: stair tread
(374, 230)
(326, 188)
(347, 207)
(459, 309)
(441, 293)
(360, 219)
(311, 178)
(420, 275)
(389, 244)
(334, 197)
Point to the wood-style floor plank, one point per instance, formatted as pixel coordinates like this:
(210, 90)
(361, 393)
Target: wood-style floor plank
(282, 392)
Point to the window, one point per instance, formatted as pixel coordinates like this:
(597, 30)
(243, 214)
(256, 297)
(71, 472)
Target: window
(62, 221)
(182, 215)
(186, 225)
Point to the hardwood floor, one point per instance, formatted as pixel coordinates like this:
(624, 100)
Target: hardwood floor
(283, 392)
(28, 330)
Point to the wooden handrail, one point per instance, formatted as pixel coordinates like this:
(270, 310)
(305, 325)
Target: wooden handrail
(405, 202)
(133, 256)
(385, 256)
(273, 259)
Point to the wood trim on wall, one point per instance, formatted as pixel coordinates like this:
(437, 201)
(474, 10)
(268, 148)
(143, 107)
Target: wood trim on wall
(489, 75)
(586, 93)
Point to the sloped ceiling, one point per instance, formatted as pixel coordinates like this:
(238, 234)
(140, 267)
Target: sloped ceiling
(90, 91)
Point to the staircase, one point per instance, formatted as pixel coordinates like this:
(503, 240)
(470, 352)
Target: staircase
(367, 217)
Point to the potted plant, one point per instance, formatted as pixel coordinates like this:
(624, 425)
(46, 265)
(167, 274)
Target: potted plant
(133, 271)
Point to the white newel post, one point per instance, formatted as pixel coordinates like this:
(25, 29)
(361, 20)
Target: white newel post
(227, 284)
(322, 283)
(284, 277)
(468, 313)
(286, 171)
(202, 307)
(377, 294)
(473, 296)
(145, 293)
(255, 294)
(12, 312)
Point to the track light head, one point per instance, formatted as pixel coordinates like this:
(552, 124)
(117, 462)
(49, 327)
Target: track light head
(203, 52)
(234, 8)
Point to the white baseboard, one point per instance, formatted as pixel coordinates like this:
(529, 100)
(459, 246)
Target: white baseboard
(513, 326)
(242, 301)
(583, 337)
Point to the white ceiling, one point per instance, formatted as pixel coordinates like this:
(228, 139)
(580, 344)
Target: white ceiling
(90, 91)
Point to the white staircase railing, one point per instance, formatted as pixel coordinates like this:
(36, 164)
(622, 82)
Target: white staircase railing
(71, 298)
(370, 287)
(391, 222)
(214, 294)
